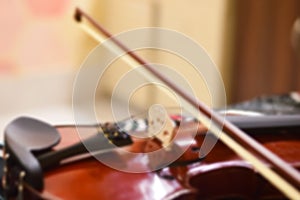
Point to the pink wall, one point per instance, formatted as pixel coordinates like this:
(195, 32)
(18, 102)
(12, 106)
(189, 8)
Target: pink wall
(32, 36)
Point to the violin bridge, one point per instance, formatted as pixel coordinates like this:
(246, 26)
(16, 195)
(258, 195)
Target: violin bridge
(160, 125)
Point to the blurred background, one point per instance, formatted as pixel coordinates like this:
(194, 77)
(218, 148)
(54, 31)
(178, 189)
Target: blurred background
(255, 45)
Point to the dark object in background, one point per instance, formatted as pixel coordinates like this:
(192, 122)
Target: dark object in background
(1, 175)
(272, 105)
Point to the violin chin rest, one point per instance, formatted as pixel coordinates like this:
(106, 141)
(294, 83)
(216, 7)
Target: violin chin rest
(23, 137)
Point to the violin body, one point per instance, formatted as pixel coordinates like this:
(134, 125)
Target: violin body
(223, 174)
(88, 178)
(220, 175)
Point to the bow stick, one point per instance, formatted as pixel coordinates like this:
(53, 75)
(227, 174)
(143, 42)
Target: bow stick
(229, 134)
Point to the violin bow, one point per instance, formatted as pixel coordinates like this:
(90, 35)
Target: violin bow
(229, 134)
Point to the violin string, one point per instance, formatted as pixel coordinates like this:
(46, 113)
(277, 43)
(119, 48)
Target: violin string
(284, 186)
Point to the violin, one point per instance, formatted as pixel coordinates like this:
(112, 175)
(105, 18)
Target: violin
(81, 175)
(46, 162)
